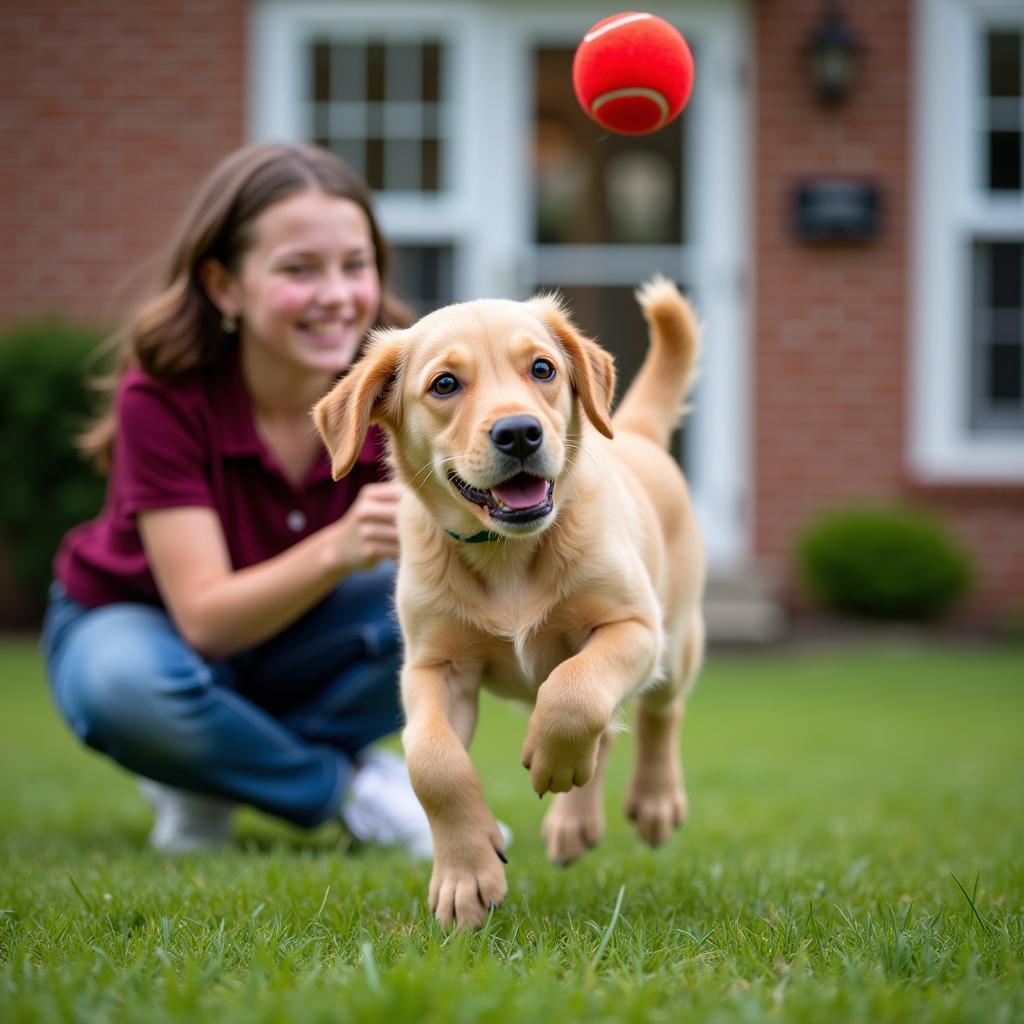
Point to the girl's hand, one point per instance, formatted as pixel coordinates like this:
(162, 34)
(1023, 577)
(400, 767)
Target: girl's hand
(368, 531)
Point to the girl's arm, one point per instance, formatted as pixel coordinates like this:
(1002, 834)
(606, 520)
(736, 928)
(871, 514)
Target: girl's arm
(220, 611)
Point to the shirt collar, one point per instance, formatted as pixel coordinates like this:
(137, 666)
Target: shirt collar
(233, 411)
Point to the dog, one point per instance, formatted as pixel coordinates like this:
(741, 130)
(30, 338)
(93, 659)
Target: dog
(550, 553)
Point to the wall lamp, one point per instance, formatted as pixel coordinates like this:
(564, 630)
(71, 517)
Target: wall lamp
(832, 52)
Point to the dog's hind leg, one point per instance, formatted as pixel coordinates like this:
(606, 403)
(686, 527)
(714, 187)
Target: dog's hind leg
(656, 800)
(575, 822)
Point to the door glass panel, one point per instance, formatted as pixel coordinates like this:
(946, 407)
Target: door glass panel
(592, 187)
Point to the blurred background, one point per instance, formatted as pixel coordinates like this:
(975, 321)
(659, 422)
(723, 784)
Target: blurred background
(843, 199)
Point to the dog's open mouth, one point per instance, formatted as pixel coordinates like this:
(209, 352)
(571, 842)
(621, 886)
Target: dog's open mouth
(520, 499)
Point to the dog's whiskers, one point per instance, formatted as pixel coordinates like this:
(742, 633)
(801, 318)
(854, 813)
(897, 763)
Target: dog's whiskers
(577, 448)
(425, 470)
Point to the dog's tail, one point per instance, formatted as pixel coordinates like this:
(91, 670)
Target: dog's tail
(653, 404)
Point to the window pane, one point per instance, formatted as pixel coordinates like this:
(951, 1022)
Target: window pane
(1004, 58)
(321, 129)
(430, 165)
(353, 152)
(375, 72)
(1003, 111)
(403, 72)
(1005, 326)
(402, 165)
(997, 351)
(1005, 374)
(423, 275)
(321, 73)
(1007, 276)
(348, 72)
(1004, 160)
(431, 71)
(375, 163)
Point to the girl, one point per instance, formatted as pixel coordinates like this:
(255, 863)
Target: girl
(224, 627)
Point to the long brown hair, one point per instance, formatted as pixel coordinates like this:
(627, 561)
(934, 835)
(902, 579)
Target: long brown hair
(179, 329)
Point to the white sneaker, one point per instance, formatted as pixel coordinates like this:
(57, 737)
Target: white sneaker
(382, 807)
(186, 822)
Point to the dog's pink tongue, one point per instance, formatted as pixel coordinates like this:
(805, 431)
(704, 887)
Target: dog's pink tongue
(521, 491)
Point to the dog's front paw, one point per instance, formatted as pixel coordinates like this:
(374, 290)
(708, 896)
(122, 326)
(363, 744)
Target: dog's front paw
(468, 880)
(571, 827)
(561, 744)
(657, 808)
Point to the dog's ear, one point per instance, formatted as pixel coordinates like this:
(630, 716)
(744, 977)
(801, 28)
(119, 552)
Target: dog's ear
(366, 394)
(591, 368)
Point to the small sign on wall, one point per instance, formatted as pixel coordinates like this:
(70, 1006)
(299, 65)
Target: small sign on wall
(837, 210)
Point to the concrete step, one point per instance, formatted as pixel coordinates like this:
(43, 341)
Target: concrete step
(742, 608)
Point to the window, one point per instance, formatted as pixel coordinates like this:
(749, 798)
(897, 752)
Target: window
(379, 104)
(997, 293)
(968, 351)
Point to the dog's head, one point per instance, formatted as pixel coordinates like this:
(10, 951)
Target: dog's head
(484, 402)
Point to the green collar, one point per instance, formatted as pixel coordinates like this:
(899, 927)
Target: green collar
(478, 538)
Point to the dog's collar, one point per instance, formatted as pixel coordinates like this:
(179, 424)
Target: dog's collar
(478, 538)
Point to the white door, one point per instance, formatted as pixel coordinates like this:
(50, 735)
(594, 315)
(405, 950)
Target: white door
(492, 182)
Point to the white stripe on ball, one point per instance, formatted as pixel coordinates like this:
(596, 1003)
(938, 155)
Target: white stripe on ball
(628, 19)
(618, 94)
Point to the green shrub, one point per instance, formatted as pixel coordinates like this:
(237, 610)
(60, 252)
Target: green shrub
(47, 485)
(883, 563)
(1013, 627)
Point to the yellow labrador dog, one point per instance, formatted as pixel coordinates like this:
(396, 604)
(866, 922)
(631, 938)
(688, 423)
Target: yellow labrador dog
(549, 554)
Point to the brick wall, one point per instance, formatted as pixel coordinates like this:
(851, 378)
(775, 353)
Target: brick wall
(831, 322)
(112, 112)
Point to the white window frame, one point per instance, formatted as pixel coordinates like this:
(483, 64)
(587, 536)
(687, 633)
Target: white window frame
(951, 211)
(281, 33)
(403, 120)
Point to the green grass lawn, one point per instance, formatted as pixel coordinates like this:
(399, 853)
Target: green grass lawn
(856, 853)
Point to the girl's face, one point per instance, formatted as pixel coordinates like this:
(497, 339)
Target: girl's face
(307, 290)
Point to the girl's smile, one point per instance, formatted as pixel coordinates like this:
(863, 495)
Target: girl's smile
(307, 290)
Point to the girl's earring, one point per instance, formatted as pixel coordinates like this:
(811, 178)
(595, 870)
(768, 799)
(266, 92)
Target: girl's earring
(229, 323)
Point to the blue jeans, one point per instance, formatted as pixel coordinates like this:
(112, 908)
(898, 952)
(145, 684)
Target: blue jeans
(276, 727)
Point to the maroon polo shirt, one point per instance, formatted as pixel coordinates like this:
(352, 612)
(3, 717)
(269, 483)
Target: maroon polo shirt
(192, 442)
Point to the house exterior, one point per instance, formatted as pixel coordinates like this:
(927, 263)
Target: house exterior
(859, 265)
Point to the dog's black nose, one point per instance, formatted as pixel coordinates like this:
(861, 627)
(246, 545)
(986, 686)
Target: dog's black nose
(519, 436)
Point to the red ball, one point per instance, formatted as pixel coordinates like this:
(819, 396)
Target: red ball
(633, 73)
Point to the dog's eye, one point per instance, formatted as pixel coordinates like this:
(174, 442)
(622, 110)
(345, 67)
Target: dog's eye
(444, 385)
(542, 369)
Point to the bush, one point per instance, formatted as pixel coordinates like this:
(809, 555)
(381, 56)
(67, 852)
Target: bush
(47, 485)
(884, 563)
